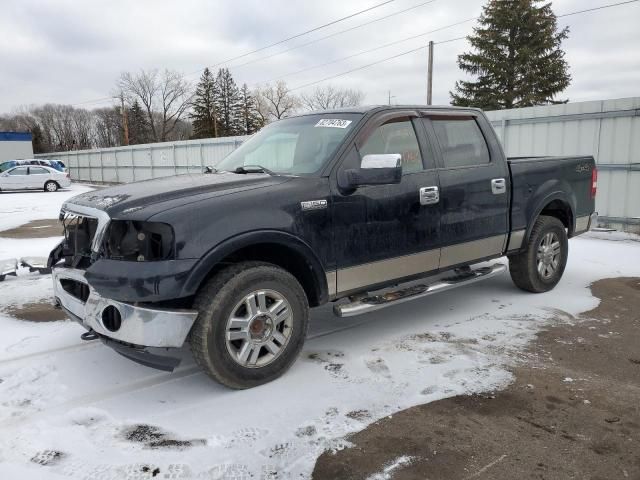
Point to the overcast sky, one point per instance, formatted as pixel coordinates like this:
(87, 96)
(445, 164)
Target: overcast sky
(73, 51)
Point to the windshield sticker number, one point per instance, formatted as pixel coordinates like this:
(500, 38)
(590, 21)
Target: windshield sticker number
(333, 123)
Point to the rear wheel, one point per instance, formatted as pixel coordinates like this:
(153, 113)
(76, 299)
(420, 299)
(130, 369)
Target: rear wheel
(251, 325)
(51, 186)
(540, 267)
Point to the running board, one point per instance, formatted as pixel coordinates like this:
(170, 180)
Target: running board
(376, 302)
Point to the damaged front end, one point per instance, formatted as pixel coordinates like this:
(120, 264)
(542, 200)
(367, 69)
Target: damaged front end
(137, 330)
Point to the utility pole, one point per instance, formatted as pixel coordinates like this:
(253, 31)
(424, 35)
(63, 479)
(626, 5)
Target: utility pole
(430, 73)
(390, 97)
(125, 120)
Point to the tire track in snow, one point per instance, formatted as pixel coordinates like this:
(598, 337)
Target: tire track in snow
(131, 387)
(88, 399)
(69, 349)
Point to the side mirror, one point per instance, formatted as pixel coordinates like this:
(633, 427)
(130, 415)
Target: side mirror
(383, 169)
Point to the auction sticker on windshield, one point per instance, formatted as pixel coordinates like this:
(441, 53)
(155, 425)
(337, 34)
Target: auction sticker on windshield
(333, 123)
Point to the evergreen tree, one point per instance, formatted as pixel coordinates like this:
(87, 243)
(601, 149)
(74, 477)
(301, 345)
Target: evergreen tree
(517, 57)
(203, 116)
(139, 131)
(251, 120)
(228, 103)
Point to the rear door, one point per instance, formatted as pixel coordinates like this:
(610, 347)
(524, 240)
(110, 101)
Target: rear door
(385, 232)
(474, 186)
(38, 176)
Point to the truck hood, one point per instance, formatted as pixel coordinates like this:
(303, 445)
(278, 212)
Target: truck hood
(136, 198)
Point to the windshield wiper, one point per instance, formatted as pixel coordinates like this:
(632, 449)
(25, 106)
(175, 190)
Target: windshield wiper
(253, 169)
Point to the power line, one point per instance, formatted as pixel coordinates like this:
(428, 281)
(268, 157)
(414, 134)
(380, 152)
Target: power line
(337, 60)
(440, 42)
(450, 40)
(103, 99)
(356, 69)
(298, 35)
(97, 100)
(334, 34)
(377, 48)
(557, 16)
(596, 8)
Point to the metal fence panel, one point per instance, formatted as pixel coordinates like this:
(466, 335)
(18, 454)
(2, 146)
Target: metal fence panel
(143, 162)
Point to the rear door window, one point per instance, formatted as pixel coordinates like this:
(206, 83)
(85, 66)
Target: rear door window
(461, 142)
(38, 171)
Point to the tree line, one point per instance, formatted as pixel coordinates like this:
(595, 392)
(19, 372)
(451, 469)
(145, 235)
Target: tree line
(516, 61)
(159, 106)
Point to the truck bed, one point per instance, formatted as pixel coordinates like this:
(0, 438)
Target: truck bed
(535, 178)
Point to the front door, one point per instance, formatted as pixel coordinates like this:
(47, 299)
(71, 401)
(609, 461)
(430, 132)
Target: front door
(15, 179)
(385, 232)
(474, 188)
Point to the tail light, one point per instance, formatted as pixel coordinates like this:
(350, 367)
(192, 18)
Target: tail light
(594, 182)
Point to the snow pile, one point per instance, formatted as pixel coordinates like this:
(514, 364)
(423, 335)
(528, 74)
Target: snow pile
(78, 410)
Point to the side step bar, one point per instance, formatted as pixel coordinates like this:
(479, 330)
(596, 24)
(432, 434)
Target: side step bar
(376, 302)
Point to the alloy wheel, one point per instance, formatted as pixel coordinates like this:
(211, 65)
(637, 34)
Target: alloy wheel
(548, 255)
(259, 328)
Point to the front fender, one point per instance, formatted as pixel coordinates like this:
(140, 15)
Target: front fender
(224, 249)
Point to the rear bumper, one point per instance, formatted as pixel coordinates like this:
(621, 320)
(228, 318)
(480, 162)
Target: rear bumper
(141, 326)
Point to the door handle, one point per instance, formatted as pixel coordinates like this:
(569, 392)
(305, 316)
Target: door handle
(429, 195)
(498, 186)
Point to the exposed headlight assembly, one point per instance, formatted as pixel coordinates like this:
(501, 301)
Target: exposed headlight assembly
(139, 241)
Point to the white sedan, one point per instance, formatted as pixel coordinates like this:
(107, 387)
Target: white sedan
(34, 177)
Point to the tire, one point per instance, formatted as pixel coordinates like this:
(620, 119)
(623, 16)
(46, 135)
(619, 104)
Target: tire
(51, 186)
(228, 294)
(525, 269)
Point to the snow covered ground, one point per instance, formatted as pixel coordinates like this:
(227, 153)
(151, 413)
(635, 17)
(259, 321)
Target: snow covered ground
(18, 208)
(71, 409)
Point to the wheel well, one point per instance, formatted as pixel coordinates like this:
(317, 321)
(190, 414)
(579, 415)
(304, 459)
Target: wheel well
(561, 211)
(287, 258)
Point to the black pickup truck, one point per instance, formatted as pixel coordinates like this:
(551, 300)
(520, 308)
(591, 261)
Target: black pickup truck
(351, 206)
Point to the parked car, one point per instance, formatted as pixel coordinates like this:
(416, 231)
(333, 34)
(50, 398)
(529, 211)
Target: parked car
(57, 164)
(345, 205)
(25, 177)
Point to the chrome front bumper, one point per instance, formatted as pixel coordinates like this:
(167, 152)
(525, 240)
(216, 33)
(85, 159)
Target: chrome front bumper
(149, 327)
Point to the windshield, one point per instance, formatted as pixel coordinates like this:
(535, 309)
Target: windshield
(7, 165)
(298, 146)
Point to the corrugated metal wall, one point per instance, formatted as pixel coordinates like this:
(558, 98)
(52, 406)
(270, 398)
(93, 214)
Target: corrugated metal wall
(142, 162)
(608, 129)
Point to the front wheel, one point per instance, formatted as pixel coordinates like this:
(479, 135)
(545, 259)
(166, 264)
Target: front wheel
(51, 186)
(251, 325)
(540, 267)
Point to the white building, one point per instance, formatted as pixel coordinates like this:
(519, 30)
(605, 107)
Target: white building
(15, 146)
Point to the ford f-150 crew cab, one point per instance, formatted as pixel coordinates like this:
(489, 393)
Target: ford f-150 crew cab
(352, 206)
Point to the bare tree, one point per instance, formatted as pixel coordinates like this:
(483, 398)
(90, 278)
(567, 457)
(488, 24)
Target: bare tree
(164, 96)
(108, 127)
(57, 125)
(330, 97)
(274, 102)
(83, 126)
